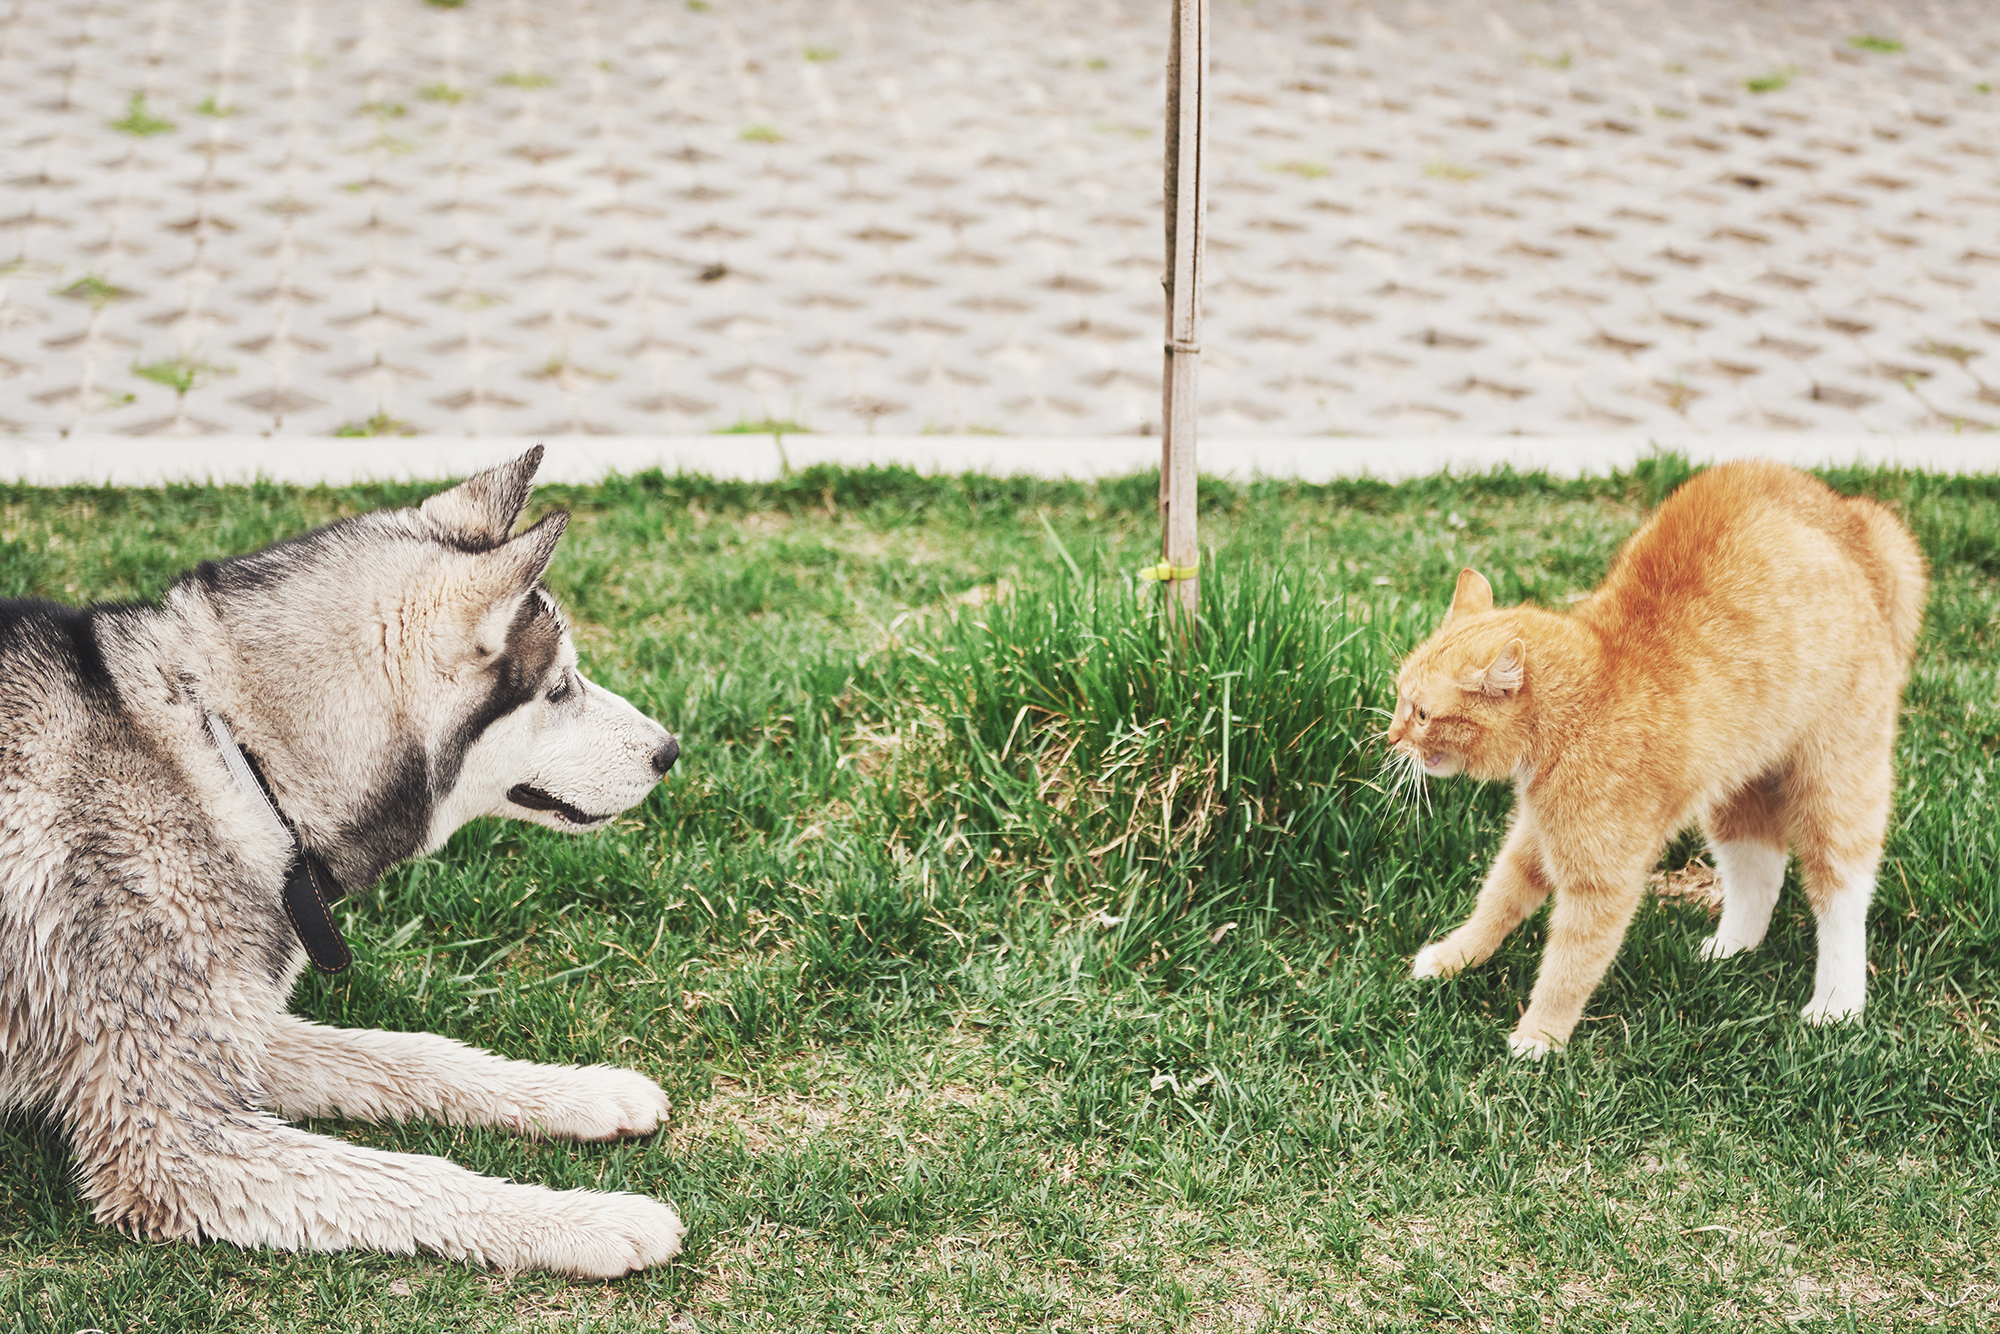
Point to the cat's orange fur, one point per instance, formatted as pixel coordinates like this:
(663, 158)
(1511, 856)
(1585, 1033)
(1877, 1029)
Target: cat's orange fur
(1740, 666)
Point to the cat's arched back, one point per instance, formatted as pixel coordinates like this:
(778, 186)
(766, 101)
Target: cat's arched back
(1740, 666)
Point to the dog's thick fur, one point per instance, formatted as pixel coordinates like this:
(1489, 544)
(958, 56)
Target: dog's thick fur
(395, 675)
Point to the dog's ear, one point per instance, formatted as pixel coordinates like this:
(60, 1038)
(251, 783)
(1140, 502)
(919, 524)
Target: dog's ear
(499, 581)
(481, 510)
(518, 566)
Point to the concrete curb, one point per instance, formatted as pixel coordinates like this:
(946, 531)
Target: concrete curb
(121, 461)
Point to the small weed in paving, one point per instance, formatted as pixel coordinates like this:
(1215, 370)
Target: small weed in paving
(1870, 42)
(94, 290)
(1450, 171)
(1772, 82)
(139, 121)
(379, 424)
(1012, 967)
(764, 426)
(180, 373)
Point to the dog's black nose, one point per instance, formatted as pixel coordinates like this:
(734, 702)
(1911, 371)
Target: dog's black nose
(664, 757)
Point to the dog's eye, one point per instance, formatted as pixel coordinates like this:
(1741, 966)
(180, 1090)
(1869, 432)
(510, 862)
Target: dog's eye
(561, 691)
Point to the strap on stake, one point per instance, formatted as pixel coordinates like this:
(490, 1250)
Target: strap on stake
(1165, 573)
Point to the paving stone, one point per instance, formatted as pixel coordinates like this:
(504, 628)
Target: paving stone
(633, 217)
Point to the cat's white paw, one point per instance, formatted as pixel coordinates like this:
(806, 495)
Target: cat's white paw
(1527, 1048)
(1716, 947)
(1433, 961)
(1832, 1006)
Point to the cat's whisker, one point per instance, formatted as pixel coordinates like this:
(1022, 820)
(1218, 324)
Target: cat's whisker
(1393, 776)
(1403, 774)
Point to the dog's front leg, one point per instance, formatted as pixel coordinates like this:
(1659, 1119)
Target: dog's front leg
(195, 1172)
(373, 1075)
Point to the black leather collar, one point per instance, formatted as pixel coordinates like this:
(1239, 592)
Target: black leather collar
(310, 888)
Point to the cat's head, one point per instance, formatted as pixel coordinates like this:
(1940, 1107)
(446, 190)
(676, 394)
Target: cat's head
(1462, 701)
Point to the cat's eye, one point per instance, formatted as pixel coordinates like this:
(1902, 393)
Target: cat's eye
(1423, 714)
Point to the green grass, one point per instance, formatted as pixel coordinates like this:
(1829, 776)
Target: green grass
(94, 290)
(180, 372)
(140, 122)
(380, 423)
(763, 426)
(959, 1038)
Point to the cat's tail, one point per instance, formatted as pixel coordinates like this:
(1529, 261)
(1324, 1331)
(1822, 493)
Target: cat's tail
(1898, 573)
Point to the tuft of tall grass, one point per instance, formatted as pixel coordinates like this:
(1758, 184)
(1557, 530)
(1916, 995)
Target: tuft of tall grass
(1072, 731)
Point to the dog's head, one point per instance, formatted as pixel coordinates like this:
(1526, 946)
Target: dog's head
(536, 739)
(405, 672)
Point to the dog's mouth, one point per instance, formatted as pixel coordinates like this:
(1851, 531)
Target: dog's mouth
(534, 799)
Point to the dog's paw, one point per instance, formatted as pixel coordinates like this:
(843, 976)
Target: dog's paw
(614, 1102)
(587, 1102)
(1436, 961)
(585, 1233)
(1832, 1006)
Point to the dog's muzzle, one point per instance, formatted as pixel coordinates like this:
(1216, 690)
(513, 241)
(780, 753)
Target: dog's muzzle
(664, 757)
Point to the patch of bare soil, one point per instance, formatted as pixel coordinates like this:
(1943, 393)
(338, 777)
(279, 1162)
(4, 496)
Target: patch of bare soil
(1695, 884)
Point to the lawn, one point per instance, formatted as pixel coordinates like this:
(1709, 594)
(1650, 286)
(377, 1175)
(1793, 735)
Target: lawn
(1010, 968)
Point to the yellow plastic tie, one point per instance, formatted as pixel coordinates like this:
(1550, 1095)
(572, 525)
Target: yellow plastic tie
(1166, 573)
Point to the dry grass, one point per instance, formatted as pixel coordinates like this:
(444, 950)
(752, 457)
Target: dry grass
(1695, 884)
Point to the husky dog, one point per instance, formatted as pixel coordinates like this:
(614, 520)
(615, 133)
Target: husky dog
(184, 786)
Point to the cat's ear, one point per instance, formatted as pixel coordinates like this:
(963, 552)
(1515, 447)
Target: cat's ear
(1472, 596)
(1504, 675)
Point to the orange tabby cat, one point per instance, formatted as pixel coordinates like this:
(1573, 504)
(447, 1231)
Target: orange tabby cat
(1740, 666)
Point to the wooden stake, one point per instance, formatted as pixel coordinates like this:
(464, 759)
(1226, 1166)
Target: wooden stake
(1186, 198)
